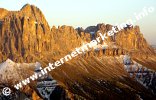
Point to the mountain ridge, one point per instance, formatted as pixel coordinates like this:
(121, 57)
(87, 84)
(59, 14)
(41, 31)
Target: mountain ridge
(26, 33)
(25, 36)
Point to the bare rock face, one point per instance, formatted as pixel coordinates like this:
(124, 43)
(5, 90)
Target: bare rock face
(24, 33)
(25, 36)
(99, 27)
(129, 39)
(132, 40)
(66, 38)
(4, 12)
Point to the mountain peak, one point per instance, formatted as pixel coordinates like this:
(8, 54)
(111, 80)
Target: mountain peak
(9, 61)
(26, 6)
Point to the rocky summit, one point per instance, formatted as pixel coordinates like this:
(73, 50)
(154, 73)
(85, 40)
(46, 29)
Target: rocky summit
(26, 37)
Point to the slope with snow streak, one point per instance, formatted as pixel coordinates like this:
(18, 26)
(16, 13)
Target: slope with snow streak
(8, 71)
(99, 78)
(140, 73)
(11, 72)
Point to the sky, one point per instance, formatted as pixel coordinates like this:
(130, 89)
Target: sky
(83, 13)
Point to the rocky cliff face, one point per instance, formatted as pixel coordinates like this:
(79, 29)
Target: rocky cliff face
(3, 12)
(23, 33)
(128, 40)
(25, 36)
(66, 38)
